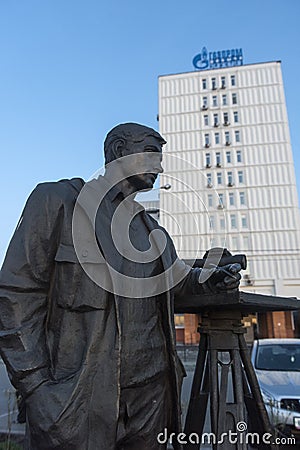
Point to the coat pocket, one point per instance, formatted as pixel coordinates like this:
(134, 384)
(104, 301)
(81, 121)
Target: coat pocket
(76, 285)
(55, 414)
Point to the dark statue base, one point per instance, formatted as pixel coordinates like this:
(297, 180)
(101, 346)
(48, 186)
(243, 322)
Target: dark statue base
(223, 357)
(222, 352)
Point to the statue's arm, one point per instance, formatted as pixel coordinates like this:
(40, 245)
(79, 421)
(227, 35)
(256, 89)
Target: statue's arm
(203, 281)
(189, 284)
(24, 287)
(189, 277)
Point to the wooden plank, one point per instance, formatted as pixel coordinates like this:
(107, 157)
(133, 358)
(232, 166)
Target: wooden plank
(245, 302)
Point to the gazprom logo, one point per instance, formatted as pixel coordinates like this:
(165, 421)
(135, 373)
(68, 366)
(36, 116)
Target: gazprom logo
(219, 59)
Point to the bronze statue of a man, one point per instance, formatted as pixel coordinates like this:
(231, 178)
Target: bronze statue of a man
(87, 339)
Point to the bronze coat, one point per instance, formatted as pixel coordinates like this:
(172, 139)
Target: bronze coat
(59, 331)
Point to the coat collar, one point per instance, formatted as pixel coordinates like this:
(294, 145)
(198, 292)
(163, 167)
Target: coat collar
(89, 200)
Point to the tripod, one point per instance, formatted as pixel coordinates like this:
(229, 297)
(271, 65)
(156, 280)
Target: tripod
(223, 356)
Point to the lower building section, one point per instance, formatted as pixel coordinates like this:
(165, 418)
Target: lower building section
(279, 324)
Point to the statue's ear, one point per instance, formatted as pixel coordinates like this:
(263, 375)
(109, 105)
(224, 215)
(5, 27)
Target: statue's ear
(118, 148)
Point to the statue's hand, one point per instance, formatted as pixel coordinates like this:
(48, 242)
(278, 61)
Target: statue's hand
(224, 278)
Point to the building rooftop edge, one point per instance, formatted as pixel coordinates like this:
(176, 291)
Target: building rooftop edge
(218, 68)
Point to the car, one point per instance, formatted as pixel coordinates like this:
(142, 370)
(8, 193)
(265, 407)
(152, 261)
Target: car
(277, 366)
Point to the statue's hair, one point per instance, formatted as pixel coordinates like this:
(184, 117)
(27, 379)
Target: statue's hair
(130, 133)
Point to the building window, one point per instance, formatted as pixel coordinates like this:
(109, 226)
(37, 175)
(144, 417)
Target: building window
(209, 179)
(207, 160)
(218, 159)
(226, 118)
(233, 81)
(228, 157)
(215, 100)
(239, 156)
(242, 198)
(227, 138)
(231, 198)
(224, 100)
(246, 242)
(241, 176)
(235, 116)
(205, 118)
(244, 222)
(237, 136)
(217, 138)
(216, 120)
(204, 83)
(229, 179)
(222, 223)
(204, 102)
(234, 243)
(221, 199)
(206, 139)
(212, 222)
(213, 84)
(210, 200)
(233, 220)
(219, 177)
(223, 82)
(179, 320)
(234, 99)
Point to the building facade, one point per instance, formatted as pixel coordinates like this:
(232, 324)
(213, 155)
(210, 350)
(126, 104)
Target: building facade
(229, 160)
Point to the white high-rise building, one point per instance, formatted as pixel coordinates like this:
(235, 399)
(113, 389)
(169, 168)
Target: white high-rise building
(229, 160)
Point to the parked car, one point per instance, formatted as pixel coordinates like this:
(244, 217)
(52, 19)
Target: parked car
(277, 366)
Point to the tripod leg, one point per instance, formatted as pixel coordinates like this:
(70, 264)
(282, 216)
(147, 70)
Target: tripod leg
(195, 418)
(237, 380)
(254, 423)
(255, 390)
(238, 392)
(223, 398)
(214, 390)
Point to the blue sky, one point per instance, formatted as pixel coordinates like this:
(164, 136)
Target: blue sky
(72, 69)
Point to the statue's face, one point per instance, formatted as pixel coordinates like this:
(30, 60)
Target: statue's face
(147, 162)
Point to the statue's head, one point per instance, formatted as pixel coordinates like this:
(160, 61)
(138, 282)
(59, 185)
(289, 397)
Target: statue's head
(143, 145)
(123, 136)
